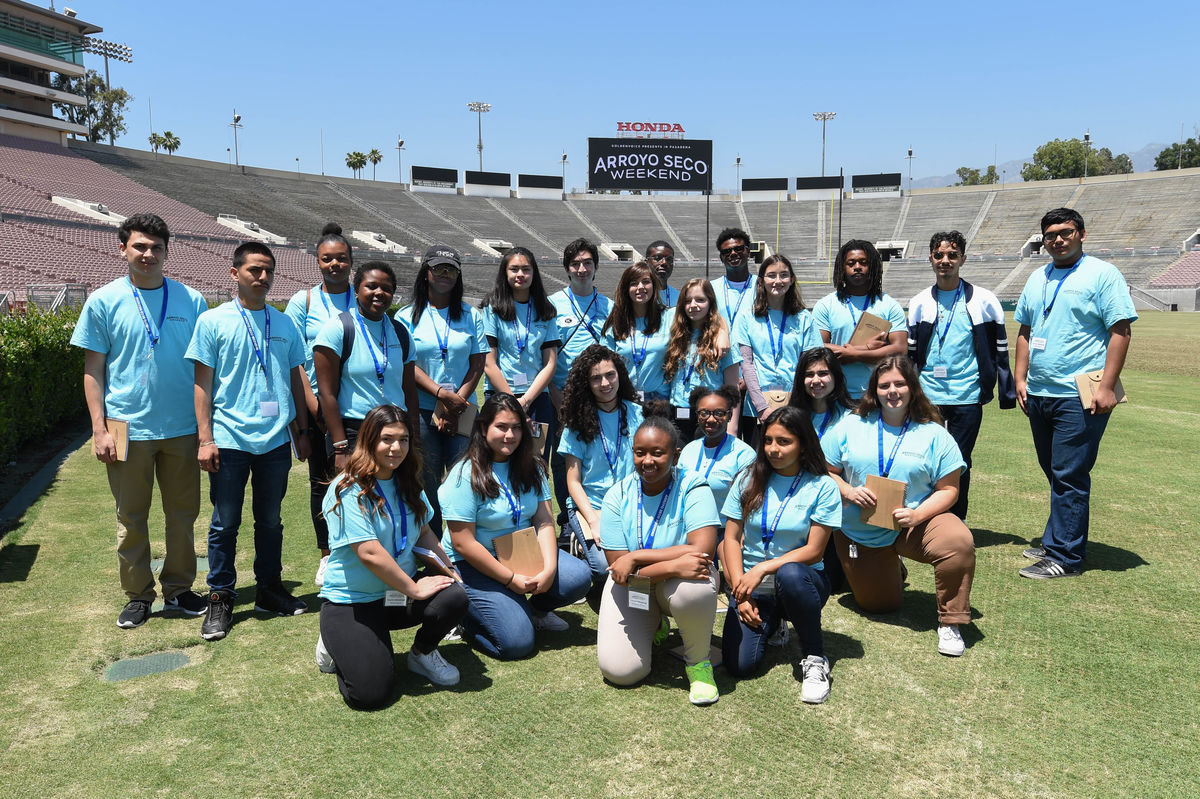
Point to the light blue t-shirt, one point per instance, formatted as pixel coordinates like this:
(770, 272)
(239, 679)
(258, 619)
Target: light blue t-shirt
(310, 319)
(644, 355)
(360, 390)
(347, 579)
(839, 320)
(519, 344)
(492, 517)
(598, 475)
(823, 423)
(580, 320)
(719, 465)
(731, 301)
(816, 499)
(690, 507)
(951, 372)
(691, 374)
(776, 342)
(151, 390)
(223, 342)
(669, 296)
(1093, 297)
(926, 454)
(461, 339)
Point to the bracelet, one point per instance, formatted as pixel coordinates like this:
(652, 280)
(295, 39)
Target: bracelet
(511, 577)
(207, 443)
(439, 392)
(342, 443)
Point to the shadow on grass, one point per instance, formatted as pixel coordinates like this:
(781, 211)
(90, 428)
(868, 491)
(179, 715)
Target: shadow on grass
(1105, 557)
(16, 561)
(918, 612)
(991, 538)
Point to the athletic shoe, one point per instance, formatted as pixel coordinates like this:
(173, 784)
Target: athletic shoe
(548, 622)
(1034, 553)
(274, 598)
(219, 618)
(664, 629)
(950, 640)
(324, 659)
(780, 636)
(134, 614)
(1046, 569)
(319, 580)
(188, 602)
(456, 634)
(432, 666)
(704, 685)
(814, 689)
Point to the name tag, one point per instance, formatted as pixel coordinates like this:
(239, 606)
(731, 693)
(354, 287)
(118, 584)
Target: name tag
(939, 371)
(395, 599)
(448, 386)
(520, 379)
(268, 406)
(683, 413)
(1037, 343)
(639, 593)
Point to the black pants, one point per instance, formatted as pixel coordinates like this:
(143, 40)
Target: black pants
(962, 421)
(358, 638)
(320, 471)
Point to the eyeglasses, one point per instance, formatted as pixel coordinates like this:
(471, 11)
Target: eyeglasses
(705, 413)
(444, 270)
(666, 259)
(1059, 234)
(741, 248)
(588, 262)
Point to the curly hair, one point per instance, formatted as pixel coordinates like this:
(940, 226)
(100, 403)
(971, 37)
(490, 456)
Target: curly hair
(920, 409)
(361, 466)
(812, 459)
(707, 358)
(526, 471)
(621, 319)
(579, 410)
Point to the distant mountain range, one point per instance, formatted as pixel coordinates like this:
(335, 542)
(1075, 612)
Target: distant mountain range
(1143, 161)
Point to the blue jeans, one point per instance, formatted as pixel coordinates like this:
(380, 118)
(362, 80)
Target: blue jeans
(268, 476)
(1067, 440)
(439, 451)
(501, 623)
(800, 594)
(962, 422)
(595, 556)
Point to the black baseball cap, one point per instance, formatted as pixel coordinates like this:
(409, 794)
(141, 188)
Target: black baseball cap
(440, 254)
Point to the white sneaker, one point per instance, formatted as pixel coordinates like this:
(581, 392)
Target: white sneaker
(319, 580)
(324, 659)
(950, 640)
(433, 666)
(455, 635)
(549, 622)
(780, 636)
(815, 688)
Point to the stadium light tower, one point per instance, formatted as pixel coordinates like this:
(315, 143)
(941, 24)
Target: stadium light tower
(910, 158)
(480, 109)
(1087, 149)
(399, 155)
(738, 166)
(823, 117)
(108, 50)
(235, 124)
(564, 163)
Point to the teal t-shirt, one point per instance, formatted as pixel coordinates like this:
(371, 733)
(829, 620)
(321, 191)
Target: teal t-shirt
(691, 374)
(519, 344)
(240, 387)
(149, 387)
(951, 372)
(719, 465)
(776, 342)
(815, 499)
(580, 320)
(311, 317)
(492, 517)
(644, 354)
(598, 473)
(443, 346)
(347, 579)
(732, 302)
(689, 507)
(824, 422)
(839, 320)
(379, 350)
(669, 297)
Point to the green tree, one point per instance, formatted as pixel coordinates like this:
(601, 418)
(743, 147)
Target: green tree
(104, 113)
(972, 177)
(1070, 159)
(374, 157)
(170, 142)
(357, 162)
(156, 141)
(1169, 158)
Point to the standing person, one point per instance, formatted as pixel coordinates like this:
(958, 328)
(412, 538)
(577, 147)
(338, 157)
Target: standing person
(364, 358)
(599, 414)
(497, 488)
(450, 349)
(661, 257)
(957, 341)
(780, 514)
(858, 289)
(1063, 334)
(736, 286)
(717, 455)
(378, 515)
(249, 394)
(659, 533)
(896, 433)
(134, 332)
(694, 356)
(639, 329)
(309, 310)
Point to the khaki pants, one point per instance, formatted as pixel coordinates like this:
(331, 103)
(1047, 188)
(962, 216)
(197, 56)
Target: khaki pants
(173, 462)
(944, 541)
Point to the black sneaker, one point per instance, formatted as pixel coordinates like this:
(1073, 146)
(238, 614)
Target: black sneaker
(1035, 553)
(134, 614)
(188, 602)
(219, 618)
(274, 598)
(1046, 569)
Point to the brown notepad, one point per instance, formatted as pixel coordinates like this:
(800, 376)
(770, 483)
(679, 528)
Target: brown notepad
(541, 437)
(869, 326)
(519, 551)
(584, 527)
(465, 419)
(889, 495)
(1087, 383)
(119, 430)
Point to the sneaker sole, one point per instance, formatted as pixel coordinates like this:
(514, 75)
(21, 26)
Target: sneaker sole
(814, 701)
(214, 636)
(183, 610)
(413, 669)
(274, 612)
(1030, 553)
(130, 625)
(1040, 576)
(702, 702)
(954, 653)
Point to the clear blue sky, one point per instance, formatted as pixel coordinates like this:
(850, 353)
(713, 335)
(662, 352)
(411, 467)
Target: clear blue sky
(951, 80)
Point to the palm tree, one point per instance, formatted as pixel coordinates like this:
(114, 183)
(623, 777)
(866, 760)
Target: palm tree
(170, 142)
(156, 141)
(357, 161)
(374, 157)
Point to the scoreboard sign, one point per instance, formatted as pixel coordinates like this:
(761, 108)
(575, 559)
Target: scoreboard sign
(650, 164)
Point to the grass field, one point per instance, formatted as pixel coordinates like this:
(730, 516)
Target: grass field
(1072, 688)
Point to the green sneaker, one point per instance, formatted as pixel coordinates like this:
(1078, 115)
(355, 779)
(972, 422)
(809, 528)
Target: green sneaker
(704, 686)
(664, 629)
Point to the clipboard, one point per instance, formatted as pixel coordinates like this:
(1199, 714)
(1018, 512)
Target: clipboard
(519, 551)
(1087, 383)
(540, 433)
(119, 430)
(869, 326)
(889, 495)
(431, 559)
(466, 419)
(584, 527)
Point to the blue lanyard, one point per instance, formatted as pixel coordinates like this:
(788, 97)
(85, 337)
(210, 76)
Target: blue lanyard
(523, 341)
(263, 355)
(824, 423)
(403, 525)
(443, 343)
(741, 296)
(325, 300)
(514, 507)
(884, 470)
(716, 454)
(662, 506)
(380, 371)
(771, 332)
(768, 533)
(611, 455)
(584, 319)
(638, 357)
(853, 308)
(1047, 308)
(953, 306)
(152, 336)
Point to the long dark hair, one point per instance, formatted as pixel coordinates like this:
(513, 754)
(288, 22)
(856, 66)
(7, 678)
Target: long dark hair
(500, 298)
(526, 471)
(681, 333)
(874, 269)
(792, 302)
(361, 466)
(420, 295)
(812, 460)
(621, 319)
(839, 396)
(920, 409)
(579, 410)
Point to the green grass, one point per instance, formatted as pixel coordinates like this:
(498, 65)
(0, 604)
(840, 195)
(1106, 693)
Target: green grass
(1083, 687)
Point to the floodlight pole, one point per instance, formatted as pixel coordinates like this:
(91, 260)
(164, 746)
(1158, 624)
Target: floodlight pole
(235, 124)
(399, 155)
(480, 109)
(910, 158)
(738, 166)
(108, 49)
(823, 117)
(1087, 148)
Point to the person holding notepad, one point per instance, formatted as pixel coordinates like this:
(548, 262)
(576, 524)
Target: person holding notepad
(496, 506)
(897, 469)
(386, 570)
